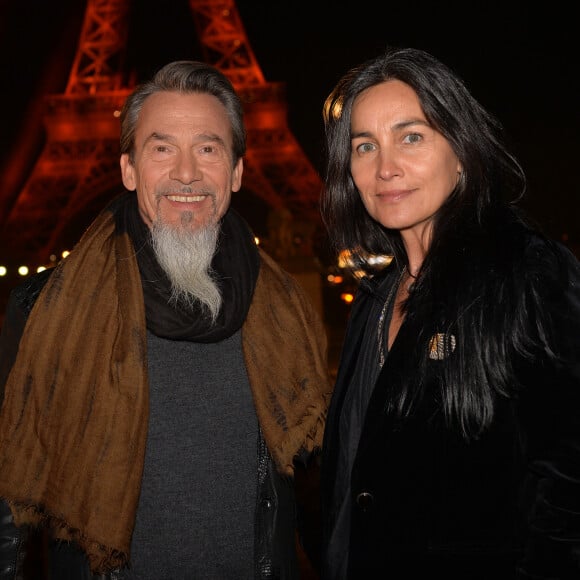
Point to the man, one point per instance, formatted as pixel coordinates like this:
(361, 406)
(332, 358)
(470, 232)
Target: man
(164, 383)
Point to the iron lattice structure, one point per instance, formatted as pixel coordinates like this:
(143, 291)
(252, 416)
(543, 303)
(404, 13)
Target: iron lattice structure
(77, 171)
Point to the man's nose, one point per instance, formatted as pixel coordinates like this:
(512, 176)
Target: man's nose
(186, 169)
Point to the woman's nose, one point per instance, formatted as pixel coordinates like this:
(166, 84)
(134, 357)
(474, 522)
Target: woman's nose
(387, 165)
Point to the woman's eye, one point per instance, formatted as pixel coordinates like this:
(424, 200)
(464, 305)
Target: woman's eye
(413, 138)
(365, 147)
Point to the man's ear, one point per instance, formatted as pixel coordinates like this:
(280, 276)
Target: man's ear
(128, 172)
(237, 175)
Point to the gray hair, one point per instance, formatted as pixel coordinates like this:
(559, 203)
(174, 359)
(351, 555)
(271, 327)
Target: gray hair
(185, 76)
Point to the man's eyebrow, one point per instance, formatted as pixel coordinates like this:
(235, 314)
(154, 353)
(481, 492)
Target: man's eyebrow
(210, 137)
(155, 136)
(158, 137)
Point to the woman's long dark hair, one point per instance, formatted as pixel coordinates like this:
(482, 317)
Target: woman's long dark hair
(472, 280)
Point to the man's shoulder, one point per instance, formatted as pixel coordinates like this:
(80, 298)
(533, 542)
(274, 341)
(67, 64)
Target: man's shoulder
(272, 266)
(26, 293)
(274, 274)
(279, 286)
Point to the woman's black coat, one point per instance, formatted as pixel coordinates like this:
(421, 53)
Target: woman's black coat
(425, 503)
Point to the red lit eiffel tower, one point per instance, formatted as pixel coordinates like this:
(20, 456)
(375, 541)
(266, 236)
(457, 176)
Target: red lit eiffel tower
(78, 170)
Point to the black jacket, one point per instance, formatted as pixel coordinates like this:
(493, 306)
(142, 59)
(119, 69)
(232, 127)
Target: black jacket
(29, 554)
(424, 502)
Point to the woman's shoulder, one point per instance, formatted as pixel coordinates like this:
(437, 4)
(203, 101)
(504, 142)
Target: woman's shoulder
(550, 275)
(547, 259)
(511, 240)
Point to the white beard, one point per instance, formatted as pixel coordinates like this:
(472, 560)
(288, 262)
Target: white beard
(186, 257)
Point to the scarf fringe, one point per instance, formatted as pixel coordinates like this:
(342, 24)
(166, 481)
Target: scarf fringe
(301, 441)
(102, 559)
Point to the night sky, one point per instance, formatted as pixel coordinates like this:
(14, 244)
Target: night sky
(520, 62)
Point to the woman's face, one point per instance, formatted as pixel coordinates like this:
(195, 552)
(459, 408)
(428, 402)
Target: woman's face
(403, 168)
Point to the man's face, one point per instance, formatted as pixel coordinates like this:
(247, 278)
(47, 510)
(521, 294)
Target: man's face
(183, 169)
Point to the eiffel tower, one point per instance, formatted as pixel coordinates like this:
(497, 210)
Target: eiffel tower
(77, 171)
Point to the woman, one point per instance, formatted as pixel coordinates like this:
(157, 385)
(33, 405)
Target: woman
(453, 439)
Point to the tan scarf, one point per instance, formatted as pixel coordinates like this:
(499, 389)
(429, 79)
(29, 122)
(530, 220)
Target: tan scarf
(74, 420)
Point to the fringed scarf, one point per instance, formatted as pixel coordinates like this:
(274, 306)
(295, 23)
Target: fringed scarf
(74, 420)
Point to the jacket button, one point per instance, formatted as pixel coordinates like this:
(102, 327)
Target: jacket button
(266, 503)
(365, 500)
